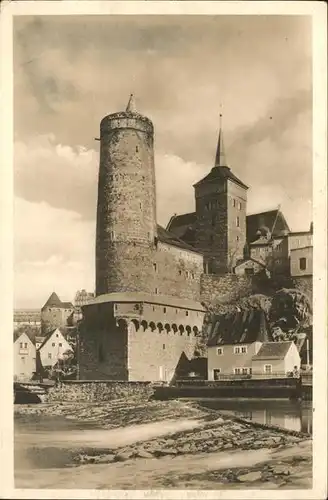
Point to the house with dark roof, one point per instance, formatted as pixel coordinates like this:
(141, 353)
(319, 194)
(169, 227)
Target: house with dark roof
(55, 314)
(240, 345)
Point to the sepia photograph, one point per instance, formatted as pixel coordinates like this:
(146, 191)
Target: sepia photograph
(166, 326)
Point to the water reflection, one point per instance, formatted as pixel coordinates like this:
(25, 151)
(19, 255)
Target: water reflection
(296, 416)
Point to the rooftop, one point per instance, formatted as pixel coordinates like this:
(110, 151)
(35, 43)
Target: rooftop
(240, 327)
(147, 298)
(273, 350)
(171, 238)
(220, 173)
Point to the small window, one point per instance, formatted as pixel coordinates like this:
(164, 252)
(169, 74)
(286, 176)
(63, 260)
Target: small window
(156, 291)
(302, 263)
(57, 335)
(187, 313)
(192, 275)
(234, 202)
(237, 371)
(49, 355)
(216, 373)
(244, 371)
(237, 350)
(237, 222)
(239, 206)
(60, 344)
(21, 345)
(243, 349)
(163, 347)
(137, 149)
(180, 272)
(153, 308)
(267, 368)
(164, 309)
(237, 237)
(155, 267)
(23, 359)
(25, 345)
(219, 351)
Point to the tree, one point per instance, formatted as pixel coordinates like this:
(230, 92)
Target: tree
(290, 312)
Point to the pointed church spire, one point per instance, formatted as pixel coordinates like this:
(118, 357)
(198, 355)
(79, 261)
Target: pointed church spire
(131, 107)
(220, 159)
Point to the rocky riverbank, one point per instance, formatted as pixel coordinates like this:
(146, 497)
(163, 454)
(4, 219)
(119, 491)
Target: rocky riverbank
(176, 436)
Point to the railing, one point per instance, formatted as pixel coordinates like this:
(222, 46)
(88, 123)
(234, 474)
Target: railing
(255, 375)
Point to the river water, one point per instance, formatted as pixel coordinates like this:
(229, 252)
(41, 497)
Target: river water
(293, 415)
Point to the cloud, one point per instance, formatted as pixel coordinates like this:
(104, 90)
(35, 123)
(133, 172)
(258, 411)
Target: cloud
(54, 250)
(60, 175)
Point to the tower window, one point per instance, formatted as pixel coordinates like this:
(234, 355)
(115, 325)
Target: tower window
(137, 149)
(164, 309)
(302, 263)
(187, 313)
(234, 202)
(237, 222)
(239, 206)
(156, 291)
(237, 237)
(155, 267)
(164, 347)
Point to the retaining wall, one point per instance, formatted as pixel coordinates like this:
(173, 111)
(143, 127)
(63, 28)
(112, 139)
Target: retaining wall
(84, 391)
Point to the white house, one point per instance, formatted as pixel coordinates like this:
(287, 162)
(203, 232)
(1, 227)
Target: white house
(53, 347)
(276, 358)
(240, 345)
(24, 358)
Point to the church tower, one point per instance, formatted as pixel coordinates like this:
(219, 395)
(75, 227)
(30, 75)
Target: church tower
(126, 211)
(221, 200)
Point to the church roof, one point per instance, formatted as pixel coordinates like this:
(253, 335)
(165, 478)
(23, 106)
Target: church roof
(272, 219)
(170, 238)
(180, 224)
(241, 327)
(220, 173)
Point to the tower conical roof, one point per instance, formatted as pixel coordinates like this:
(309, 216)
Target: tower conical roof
(53, 301)
(131, 107)
(220, 159)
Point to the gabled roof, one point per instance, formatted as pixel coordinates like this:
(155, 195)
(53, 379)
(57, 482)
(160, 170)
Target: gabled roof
(170, 238)
(273, 350)
(221, 173)
(54, 301)
(17, 336)
(248, 259)
(49, 335)
(272, 219)
(261, 241)
(244, 327)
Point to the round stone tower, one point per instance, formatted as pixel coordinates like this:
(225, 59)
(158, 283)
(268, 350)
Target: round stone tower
(126, 211)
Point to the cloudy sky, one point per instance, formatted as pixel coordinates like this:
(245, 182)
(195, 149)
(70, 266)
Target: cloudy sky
(70, 71)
